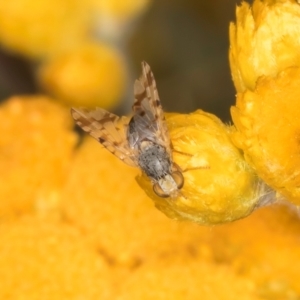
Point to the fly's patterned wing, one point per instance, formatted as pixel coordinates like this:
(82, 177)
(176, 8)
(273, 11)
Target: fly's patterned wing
(147, 109)
(108, 129)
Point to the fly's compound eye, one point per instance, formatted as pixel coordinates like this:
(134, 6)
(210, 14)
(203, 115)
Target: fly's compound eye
(178, 178)
(159, 191)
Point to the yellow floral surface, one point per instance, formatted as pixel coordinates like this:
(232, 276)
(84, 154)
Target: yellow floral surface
(268, 130)
(45, 259)
(103, 238)
(36, 144)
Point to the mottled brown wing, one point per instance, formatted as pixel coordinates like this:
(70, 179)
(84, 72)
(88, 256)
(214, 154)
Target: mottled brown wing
(108, 129)
(147, 109)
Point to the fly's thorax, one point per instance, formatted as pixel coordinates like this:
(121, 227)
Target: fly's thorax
(154, 160)
(139, 130)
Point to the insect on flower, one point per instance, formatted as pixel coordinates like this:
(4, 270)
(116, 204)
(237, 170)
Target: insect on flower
(142, 141)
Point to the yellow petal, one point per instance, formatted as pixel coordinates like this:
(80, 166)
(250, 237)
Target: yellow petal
(268, 126)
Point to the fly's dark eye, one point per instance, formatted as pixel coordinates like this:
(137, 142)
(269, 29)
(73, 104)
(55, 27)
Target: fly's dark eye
(159, 192)
(178, 178)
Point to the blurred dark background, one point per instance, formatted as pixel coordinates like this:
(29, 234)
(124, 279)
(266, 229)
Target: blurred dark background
(186, 44)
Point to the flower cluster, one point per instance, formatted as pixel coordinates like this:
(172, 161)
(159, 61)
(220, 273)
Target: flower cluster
(265, 61)
(74, 223)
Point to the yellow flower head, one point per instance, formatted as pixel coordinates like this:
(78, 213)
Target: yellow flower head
(38, 28)
(90, 75)
(264, 41)
(265, 61)
(219, 186)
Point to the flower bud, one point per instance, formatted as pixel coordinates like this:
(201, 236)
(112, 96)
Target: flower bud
(219, 186)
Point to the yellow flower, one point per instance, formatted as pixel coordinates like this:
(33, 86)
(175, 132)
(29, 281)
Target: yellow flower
(36, 143)
(38, 28)
(264, 58)
(90, 75)
(219, 186)
(268, 126)
(264, 41)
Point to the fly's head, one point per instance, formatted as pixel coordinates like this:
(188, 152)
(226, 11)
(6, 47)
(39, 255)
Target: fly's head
(169, 185)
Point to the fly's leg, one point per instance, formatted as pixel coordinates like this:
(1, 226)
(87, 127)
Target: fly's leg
(190, 168)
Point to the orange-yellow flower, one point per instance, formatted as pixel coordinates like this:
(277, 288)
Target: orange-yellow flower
(265, 61)
(268, 126)
(219, 185)
(264, 41)
(90, 75)
(107, 241)
(37, 28)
